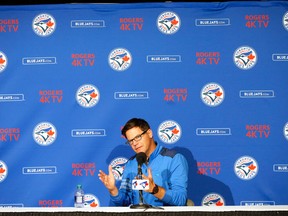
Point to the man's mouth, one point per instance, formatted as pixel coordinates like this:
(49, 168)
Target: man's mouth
(138, 148)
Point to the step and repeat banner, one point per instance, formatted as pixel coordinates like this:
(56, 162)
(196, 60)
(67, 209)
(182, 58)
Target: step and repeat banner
(210, 78)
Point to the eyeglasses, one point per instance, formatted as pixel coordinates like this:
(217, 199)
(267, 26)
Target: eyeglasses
(136, 138)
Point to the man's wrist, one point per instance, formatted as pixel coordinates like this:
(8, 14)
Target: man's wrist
(155, 189)
(114, 191)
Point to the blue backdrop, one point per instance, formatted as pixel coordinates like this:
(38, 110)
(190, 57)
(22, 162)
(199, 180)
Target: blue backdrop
(210, 78)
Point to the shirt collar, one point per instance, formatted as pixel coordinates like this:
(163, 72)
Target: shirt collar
(155, 152)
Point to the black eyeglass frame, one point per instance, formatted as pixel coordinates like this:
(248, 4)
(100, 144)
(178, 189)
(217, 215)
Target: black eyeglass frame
(136, 138)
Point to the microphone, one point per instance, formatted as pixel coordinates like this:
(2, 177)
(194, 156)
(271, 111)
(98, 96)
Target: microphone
(141, 158)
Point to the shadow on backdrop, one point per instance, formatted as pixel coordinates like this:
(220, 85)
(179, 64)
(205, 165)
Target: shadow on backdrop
(201, 185)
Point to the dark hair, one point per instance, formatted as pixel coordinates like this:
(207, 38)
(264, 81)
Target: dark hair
(135, 122)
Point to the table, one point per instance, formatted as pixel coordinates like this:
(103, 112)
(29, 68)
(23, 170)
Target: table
(280, 210)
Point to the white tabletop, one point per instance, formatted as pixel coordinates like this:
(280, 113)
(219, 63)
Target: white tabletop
(166, 209)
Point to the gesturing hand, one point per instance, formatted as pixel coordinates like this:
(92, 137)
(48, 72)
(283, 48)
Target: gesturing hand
(108, 181)
(161, 191)
(151, 181)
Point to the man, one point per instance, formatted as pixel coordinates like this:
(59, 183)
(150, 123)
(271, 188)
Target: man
(166, 170)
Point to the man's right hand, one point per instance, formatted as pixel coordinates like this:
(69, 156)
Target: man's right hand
(108, 181)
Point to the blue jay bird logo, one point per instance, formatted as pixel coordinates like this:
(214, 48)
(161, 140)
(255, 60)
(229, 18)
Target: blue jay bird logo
(118, 166)
(246, 168)
(87, 96)
(118, 169)
(44, 133)
(168, 22)
(169, 131)
(120, 59)
(212, 94)
(213, 199)
(44, 25)
(134, 184)
(245, 58)
(144, 184)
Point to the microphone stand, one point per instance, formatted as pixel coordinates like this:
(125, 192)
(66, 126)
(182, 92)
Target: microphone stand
(141, 205)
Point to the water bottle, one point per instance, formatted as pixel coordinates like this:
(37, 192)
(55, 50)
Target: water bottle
(79, 197)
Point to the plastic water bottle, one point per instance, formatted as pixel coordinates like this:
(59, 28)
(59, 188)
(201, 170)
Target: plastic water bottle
(79, 197)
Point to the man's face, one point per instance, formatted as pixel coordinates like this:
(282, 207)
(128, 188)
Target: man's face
(139, 141)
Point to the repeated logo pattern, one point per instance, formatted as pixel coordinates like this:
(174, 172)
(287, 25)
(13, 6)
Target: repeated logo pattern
(212, 84)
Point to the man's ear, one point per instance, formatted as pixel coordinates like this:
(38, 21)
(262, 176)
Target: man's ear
(150, 133)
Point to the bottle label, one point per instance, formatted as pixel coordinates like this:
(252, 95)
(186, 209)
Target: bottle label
(79, 199)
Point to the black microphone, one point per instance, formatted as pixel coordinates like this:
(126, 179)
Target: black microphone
(141, 158)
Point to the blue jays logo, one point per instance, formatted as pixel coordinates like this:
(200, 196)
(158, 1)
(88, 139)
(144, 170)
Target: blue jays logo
(120, 59)
(286, 130)
(168, 22)
(213, 199)
(285, 21)
(169, 132)
(212, 94)
(3, 61)
(144, 184)
(91, 201)
(87, 96)
(140, 184)
(44, 133)
(135, 184)
(246, 168)
(118, 166)
(245, 57)
(44, 25)
(3, 171)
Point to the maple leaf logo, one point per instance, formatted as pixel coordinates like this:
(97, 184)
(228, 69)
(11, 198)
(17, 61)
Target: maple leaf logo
(2, 61)
(175, 131)
(174, 22)
(93, 204)
(219, 203)
(252, 167)
(125, 58)
(93, 95)
(2, 170)
(251, 57)
(50, 133)
(218, 93)
(50, 24)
